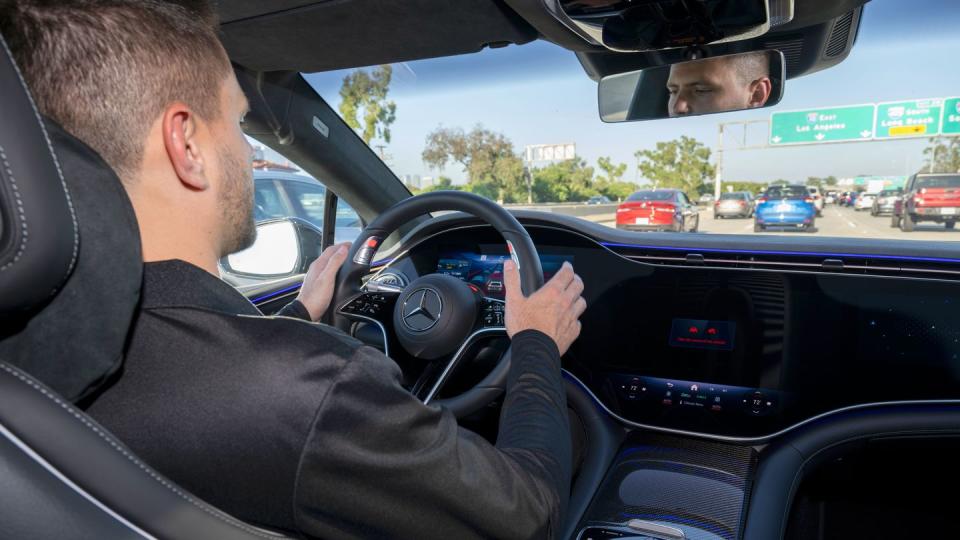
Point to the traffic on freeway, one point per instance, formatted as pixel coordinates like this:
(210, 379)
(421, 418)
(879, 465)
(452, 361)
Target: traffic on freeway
(928, 210)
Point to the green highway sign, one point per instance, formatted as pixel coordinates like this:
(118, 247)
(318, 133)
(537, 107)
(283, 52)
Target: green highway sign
(951, 116)
(917, 118)
(834, 124)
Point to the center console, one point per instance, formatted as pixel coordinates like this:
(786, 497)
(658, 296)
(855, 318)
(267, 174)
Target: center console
(670, 488)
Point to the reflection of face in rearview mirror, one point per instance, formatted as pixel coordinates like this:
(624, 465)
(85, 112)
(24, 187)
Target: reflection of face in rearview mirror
(725, 83)
(711, 85)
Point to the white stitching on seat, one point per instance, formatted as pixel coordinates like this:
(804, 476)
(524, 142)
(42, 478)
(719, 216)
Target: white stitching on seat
(20, 213)
(153, 474)
(56, 162)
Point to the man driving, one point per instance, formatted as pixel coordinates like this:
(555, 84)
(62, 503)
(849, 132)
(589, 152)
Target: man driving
(724, 83)
(282, 422)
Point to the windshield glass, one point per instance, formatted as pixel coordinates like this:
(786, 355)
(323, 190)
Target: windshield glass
(520, 125)
(733, 196)
(651, 196)
(786, 192)
(938, 181)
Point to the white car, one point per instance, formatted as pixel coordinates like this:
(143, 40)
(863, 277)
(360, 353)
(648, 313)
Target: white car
(817, 197)
(865, 202)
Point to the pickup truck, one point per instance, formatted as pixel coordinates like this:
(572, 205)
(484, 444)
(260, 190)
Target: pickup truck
(928, 197)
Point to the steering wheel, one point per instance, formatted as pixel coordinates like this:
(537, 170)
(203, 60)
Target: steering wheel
(436, 317)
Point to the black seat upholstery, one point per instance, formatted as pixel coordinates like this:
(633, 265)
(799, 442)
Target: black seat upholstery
(70, 273)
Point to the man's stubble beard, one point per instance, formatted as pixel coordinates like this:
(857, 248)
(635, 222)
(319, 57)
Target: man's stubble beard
(236, 203)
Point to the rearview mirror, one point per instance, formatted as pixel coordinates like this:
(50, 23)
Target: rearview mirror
(710, 85)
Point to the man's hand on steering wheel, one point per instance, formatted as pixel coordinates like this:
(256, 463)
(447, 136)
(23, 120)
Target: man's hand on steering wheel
(321, 279)
(555, 309)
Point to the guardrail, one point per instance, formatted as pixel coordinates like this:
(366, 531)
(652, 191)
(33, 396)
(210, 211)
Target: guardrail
(578, 210)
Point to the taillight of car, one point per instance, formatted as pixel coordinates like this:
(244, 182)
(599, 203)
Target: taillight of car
(761, 200)
(742, 203)
(665, 208)
(808, 200)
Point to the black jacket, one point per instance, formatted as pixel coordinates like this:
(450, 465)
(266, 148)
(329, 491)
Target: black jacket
(294, 425)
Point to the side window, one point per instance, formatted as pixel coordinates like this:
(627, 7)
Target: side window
(307, 200)
(283, 249)
(267, 202)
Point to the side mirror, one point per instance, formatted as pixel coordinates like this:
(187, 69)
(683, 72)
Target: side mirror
(718, 84)
(284, 247)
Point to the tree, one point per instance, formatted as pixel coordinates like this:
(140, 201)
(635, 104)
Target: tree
(492, 166)
(683, 164)
(363, 94)
(752, 187)
(944, 154)
(566, 181)
(611, 183)
(442, 183)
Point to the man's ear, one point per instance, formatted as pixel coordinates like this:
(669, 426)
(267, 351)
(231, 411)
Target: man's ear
(183, 146)
(760, 92)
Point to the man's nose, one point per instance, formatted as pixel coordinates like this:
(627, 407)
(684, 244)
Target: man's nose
(681, 106)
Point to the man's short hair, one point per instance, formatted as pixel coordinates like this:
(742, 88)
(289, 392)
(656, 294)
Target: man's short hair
(750, 66)
(106, 69)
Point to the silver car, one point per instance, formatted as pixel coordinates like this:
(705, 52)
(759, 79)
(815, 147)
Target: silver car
(738, 204)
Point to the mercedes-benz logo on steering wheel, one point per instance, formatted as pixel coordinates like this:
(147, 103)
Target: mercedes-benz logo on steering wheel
(421, 310)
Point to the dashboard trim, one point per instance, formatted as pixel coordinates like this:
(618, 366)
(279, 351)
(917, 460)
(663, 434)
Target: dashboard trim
(750, 440)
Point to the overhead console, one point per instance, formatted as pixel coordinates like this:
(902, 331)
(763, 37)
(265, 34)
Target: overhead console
(625, 25)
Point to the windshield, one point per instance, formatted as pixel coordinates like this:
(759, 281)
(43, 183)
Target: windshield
(938, 181)
(733, 196)
(651, 196)
(520, 125)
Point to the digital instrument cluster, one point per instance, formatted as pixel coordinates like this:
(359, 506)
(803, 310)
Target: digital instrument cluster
(484, 271)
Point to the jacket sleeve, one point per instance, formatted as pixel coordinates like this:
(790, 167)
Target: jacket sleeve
(381, 464)
(295, 310)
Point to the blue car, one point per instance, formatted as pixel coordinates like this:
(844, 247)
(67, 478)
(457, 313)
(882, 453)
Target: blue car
(785, 207)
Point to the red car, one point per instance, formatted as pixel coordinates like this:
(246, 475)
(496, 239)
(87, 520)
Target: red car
(658, 210)
(928, 197)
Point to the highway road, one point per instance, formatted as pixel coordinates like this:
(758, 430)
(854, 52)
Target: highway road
(836, 221)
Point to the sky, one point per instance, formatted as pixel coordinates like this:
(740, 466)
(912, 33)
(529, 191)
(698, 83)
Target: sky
(539, 94)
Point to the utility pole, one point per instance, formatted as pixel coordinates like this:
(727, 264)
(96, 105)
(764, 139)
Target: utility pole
(718, 178)
(527, 177)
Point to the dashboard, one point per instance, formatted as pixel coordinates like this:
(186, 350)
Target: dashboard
(738, 353)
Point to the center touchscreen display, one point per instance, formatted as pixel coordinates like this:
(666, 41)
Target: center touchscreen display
(484, 271)
(703, 334)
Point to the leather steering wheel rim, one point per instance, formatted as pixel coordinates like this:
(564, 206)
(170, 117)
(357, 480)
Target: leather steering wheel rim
(520, 245)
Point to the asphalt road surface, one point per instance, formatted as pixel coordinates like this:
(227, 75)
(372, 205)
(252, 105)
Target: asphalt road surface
(836, 221)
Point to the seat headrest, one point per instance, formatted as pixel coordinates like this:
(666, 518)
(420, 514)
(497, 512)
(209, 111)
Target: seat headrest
(38, 228)
(69, 249)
